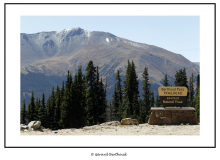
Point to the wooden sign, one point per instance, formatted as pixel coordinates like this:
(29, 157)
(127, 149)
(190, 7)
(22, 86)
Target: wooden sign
(173, 96)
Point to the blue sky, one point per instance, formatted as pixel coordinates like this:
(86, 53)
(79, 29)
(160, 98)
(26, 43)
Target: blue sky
(178, 34)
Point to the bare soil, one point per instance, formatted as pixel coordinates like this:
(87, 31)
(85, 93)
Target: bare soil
(141, 129)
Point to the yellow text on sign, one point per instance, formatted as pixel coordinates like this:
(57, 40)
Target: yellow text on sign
(172, 91)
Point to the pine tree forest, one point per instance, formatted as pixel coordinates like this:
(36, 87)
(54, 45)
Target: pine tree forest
(81, 100)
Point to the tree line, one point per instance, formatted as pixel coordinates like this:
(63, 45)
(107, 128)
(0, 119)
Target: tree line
(82, 101)
(77, 103)
(128, 103)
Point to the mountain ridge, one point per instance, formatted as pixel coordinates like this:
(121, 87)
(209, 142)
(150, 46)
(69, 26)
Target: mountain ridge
(55, 52)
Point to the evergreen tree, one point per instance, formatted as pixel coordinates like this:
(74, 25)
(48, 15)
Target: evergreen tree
(135, 83)
(52, 108)
(44, 112)
(181, 80)
(136, 107)
(102, 102)
(109, 112)
(142, 115)
(165, 81)
(127, 97)
(97, 97)
(62, 92)
(115, 102)
(31, 109)
(151, 105)
(197, 99)
(152, 99)
(146, 91)
(48, 113)
(57, 108)
(37, 106)
(73, 107)
(119, 86)
(23, 113)
(64, 117)
(131, 92)
(158, 104)
(191, 92)
(81, 96)
(90, 96)
(40, 111)
(117, 97)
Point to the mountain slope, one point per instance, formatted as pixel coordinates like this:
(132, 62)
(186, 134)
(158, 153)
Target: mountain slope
(53, 53)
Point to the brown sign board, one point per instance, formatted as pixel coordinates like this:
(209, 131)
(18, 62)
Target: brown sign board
(173, 96)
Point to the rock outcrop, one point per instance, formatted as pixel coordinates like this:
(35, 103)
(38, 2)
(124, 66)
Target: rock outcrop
(34, 125)
(129, 121)
(23, 127)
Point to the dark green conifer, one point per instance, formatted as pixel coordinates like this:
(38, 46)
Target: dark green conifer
(37, 106)
(117, 97)
(57, 108)
(81, 97)
(31, 109)
(158, 104)
(102, 103)
(146, 91)
(142, 115)
(165, 81)
(23, 113)
(191, 92)
(197, 99)
(44, 112)
(90, 96)
(181, 80)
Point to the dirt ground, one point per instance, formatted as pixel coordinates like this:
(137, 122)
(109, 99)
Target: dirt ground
(141, 129)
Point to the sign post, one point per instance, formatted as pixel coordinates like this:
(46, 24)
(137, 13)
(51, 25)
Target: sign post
(172, 96)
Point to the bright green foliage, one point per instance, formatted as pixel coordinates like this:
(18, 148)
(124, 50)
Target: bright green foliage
(23, 113)
(165, 81)
(197, 99)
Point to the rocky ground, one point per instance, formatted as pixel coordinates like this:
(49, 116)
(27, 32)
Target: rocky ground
(117, 129)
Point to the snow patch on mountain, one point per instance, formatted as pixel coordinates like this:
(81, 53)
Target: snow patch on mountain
(137, 45)
(87, 33)
(107, 40)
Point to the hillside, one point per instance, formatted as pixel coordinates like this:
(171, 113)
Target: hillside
(53, 53)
